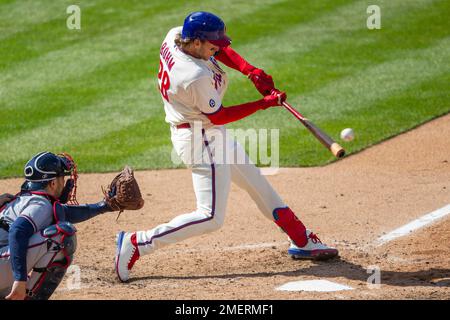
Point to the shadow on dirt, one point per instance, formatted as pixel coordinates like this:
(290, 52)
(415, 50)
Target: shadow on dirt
(334, 269)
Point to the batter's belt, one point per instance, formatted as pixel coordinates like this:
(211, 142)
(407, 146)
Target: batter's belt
(183, 126)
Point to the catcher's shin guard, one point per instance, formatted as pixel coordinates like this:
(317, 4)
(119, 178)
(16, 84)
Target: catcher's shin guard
(50, 270)
(291, 225)
(49, 279)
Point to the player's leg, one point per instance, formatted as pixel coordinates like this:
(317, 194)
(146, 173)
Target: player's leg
(37, 248)
(304, 244)
(6, 276)
(49, 271)
(48, 257)
(208, 216)
(211, 183)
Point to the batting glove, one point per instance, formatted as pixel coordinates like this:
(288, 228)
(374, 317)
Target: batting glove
(276, 98)
(262, 81)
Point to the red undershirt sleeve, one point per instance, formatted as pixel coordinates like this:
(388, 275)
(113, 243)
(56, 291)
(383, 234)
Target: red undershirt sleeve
(232, 59)
(234, 113)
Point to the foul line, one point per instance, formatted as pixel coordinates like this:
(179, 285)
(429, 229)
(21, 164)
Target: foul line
(397, 233)
(248, 246)
(414, 225)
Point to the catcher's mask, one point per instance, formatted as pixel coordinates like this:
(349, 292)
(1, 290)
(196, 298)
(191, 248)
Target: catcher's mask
(47, 166)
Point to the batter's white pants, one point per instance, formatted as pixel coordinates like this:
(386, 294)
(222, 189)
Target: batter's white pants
(39, 255)
(211, 179)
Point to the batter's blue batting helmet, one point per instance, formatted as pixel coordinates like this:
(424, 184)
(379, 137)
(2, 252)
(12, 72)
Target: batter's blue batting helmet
(205, 26)
(43, 167)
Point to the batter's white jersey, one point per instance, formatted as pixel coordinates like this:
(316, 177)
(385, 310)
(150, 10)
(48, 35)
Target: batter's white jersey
(190, 87)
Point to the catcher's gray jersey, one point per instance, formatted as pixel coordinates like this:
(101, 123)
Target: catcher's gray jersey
(35, 208)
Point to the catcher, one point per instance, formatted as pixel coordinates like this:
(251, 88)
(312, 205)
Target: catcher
(37, 236)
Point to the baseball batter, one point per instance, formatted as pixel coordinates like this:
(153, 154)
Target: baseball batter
(37, 237)
(192, 84)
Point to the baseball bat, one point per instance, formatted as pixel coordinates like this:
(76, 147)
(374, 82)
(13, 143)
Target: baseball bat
(329, 143)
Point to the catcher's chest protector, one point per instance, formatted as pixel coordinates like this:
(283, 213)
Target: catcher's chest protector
(37, 209)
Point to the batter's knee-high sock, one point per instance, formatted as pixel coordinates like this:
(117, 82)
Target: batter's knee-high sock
(286, 219)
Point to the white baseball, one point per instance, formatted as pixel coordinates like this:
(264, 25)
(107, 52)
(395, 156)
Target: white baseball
(347, 134)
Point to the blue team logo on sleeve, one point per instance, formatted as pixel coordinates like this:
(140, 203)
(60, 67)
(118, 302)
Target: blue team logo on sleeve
(212, 103)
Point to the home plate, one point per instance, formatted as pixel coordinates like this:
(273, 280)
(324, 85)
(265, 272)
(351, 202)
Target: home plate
(313, 285)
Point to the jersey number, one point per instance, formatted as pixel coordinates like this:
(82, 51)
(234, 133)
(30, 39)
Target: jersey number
(163, 81)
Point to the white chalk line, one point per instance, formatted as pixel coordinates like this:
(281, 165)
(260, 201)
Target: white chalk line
(248, 246)
(296, 286)
(325, 286)
(65, 288)
(397, 233)
(257, 246)
(270, 171)
(414, 225)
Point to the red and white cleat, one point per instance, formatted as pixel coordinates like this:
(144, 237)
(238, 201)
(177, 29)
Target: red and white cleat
(126, 255)
(313, 250)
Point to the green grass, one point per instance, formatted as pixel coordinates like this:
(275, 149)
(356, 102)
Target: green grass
(92, 92)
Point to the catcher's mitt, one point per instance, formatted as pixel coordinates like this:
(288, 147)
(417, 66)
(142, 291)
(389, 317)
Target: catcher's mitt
(123, 193)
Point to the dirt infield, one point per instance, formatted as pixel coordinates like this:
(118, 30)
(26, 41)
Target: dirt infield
(349, 204)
